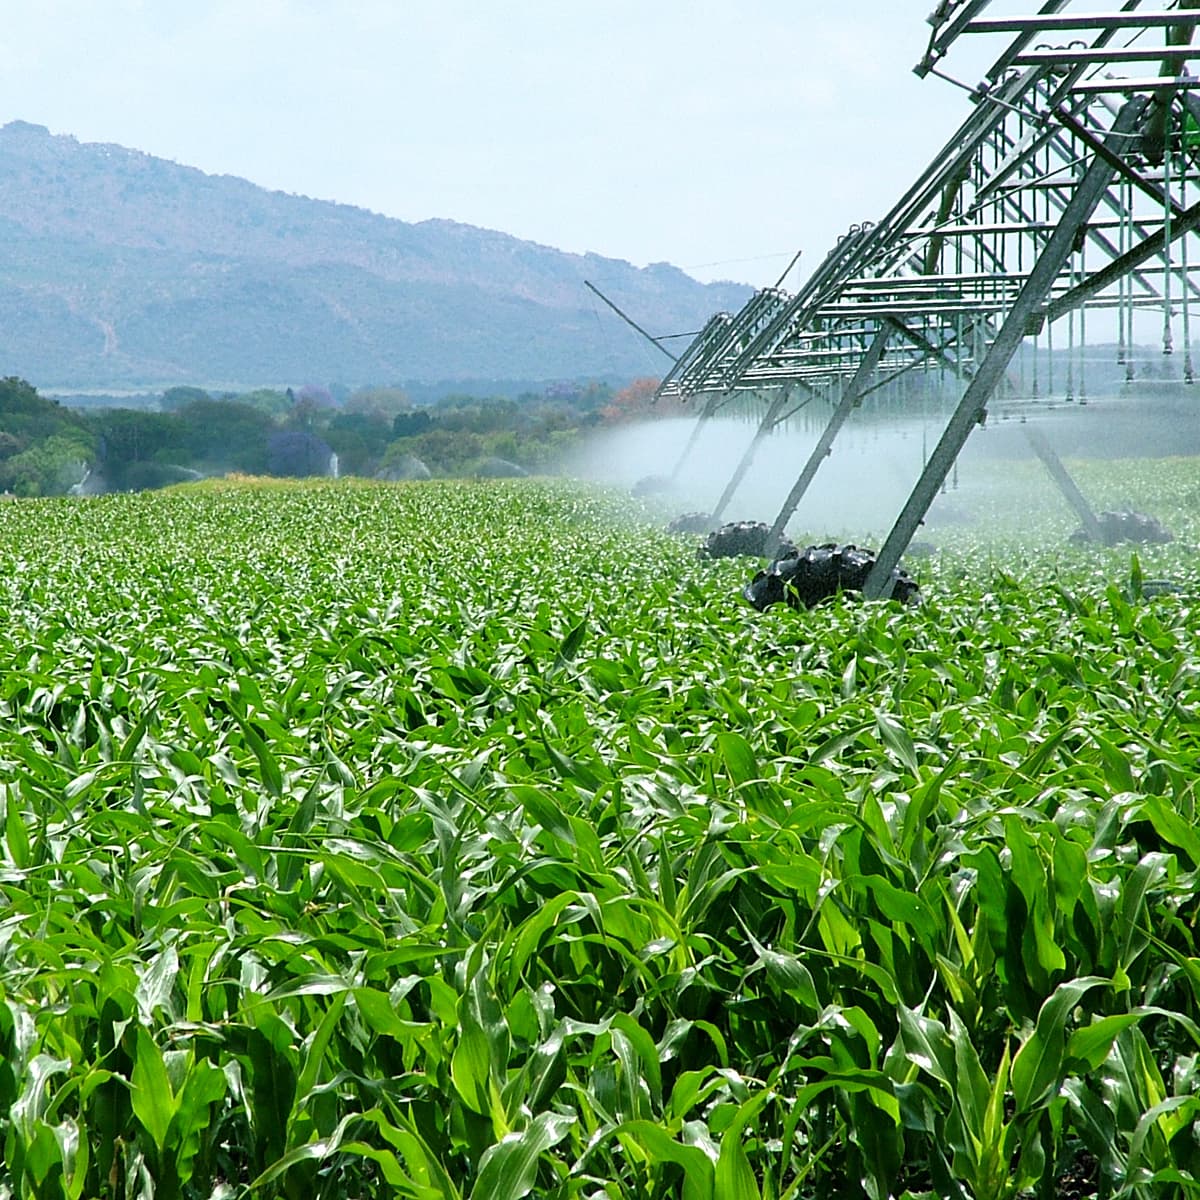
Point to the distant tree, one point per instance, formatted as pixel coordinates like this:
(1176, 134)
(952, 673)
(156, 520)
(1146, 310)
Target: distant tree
(549, 452)
(479, 414)
(494, 413)
(19, 397)
(134, 435)
(593, 397)
(173, 399)
(49, 467)
(297, 454)
(548, 417)
(507, 445)
(409, 424)
(536, 450)
(225, 435)
(444, 452)
(636, 402)
(313, 408)
(45, 447)
(399, 462)
(359, 439)
(268, 400)
(146, 476)
(314, 393)
(383, 401)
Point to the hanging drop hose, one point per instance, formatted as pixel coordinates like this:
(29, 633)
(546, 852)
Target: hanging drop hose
(925, 417)
(1073, 278)
(1050, 359)
(1082, 341)
(1168, 345)
(1127, 237)
(1122, 283)
(1121, 248)
(1189, 375)
(1049, 324)
(1071, 342)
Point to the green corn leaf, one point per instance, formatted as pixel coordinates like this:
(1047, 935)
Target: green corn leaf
(1172, 827)
(1093, 1119)
(471, 1068)
(389, 1166)
(573, 641)
(834, 747)
(545, 811)
(1038, 1065)
(16, 836)
(746, 775)
(734, 1178)
(318, 1047)
(316, 1151)
(1130, 933)
(972, 1090)
(508, 1170)
(268, 765)
(897, 739)
(154, 1103)
(880, 1142)
(927, 1044)
(157, 983)
(1136, 578)
(41, 1157)
(1174, 1112)
(79, 785)
(1093, 1043)
(660, 1147)
(646, 1064)
(422, 1163)
(203, 1087)
(33, 1102)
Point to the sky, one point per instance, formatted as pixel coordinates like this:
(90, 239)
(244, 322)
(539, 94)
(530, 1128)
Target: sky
(720, 137)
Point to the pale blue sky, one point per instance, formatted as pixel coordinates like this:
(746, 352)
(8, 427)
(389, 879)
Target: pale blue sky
(691, 131)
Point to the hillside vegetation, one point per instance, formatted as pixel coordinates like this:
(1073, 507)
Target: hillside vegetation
(121, 269)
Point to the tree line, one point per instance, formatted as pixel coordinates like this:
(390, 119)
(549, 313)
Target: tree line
(48, 448)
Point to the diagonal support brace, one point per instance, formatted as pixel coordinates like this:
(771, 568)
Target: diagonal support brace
(972, 408)
(770, 419)
(711, 405)
(851, 396)
(1071, 493)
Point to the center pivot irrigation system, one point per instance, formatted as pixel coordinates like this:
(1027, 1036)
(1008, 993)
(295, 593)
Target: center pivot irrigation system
(1072, 185)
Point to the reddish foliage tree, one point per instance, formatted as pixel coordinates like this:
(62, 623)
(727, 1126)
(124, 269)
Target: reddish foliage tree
(636, 402)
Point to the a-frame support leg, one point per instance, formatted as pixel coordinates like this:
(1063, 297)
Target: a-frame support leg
(770, 419)
(851, 396)
(1066, 485)
(972, 408)
(710, 407)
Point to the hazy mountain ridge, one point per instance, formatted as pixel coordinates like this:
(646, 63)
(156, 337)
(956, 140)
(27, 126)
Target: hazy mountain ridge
(119, 267)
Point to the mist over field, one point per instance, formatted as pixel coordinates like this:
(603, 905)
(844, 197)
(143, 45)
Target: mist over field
(867, 475)
(875, 461)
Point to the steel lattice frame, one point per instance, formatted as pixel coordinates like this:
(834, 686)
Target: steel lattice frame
(1067, 187)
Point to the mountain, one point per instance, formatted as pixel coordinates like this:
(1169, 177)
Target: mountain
(119, 270)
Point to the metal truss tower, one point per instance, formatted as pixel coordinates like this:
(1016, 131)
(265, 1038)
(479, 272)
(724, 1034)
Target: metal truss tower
(1070, 186)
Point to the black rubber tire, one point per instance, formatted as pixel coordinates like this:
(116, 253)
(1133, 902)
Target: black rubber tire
(1127, 526)
(742, 539)
(804, 578)
(692, 522)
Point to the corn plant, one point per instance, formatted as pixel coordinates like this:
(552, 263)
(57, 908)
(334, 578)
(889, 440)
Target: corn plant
(464, 841)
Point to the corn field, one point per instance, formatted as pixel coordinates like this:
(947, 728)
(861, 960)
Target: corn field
(453, 841)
